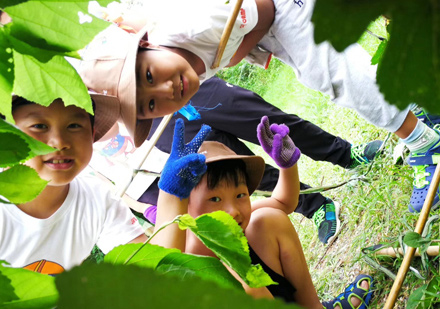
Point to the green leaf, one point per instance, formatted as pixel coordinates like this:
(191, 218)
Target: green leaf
(6, 75)
(127, 286)
(342, 22)
(377, 58)
(60, 26)
(44, 82)
(416, 297)
(206, 267)
(186, 221)
(13, 180)
(410, 68)
(33, 290)
(414, 240)
(7, 293)
(222, 235)
(13, 149)
(146, 255)
(33, 147)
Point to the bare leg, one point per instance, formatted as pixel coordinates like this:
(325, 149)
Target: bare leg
(408, 126)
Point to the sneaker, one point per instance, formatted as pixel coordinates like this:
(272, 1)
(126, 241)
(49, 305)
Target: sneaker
(326, 219)
(424, 165)
(364, 153)
(429, 119)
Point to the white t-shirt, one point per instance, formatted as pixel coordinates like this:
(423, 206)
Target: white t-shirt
(89, 215)
(200, 28)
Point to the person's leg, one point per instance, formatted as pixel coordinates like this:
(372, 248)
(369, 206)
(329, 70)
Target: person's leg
(424, 145)
(238, 111)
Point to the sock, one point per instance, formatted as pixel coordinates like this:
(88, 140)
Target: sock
(421, 138)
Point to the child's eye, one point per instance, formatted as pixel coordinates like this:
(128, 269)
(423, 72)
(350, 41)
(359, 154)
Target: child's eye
(241, 195)
(39, 126)
(74, 126)
(151, 105)
(149, 77)
(215, 199)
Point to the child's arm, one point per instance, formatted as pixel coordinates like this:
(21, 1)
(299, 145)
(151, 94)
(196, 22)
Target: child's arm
(266, 15)
(276, 142)
(181, 174)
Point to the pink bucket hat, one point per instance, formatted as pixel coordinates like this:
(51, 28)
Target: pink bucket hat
(108, 66)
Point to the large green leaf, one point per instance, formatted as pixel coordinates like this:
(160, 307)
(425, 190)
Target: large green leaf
(410, 68)
(7, 293)
(221, 234)
(342, 22)
(206, 267)
(144, 255)
(6, 75)
(128, 286)
(13, 149)
(33, 147)
(33, 290)
(61, 26)
(44, 82)
(14, 180)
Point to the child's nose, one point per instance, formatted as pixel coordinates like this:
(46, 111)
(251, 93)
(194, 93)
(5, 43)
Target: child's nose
(165, 90)
(58, 141)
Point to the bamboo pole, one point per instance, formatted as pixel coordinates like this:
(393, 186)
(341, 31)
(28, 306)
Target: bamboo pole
(225, 35)
(152, 142)
(392, 252)
(395, 289)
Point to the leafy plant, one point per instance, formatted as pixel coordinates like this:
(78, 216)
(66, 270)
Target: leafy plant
(128, 268)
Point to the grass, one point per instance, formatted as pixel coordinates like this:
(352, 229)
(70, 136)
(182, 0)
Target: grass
(372, 212)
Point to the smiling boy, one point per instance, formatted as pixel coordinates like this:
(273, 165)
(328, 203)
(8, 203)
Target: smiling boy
(58, 229)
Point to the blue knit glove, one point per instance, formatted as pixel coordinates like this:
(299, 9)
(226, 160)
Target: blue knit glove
(185, 166)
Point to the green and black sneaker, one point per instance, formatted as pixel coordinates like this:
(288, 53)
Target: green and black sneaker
(326, 219)
(364, 153)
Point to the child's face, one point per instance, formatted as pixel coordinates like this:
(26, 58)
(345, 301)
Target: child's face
(165, 82)
(232, 199)
(68, 129)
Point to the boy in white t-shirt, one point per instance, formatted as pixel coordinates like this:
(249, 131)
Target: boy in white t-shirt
(59, 228)
(156, 71)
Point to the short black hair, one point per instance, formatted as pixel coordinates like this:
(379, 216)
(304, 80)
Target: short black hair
(233, 171)
(20, 101)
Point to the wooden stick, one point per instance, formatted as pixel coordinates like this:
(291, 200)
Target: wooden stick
(152, 142)
(226, 34)
(418, 229)
(392, 252)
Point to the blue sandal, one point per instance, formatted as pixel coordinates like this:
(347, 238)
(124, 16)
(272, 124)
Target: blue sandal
(353, 290)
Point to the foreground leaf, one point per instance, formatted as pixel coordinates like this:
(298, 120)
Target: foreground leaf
(410, 68)
(342, 22)
(33, 148)
(33, 290)
(127, 286)
(146, 255)
(206, 267)
(7, 293)
(49, 81)
(60, 26)
(6, 75)
(13, 149)
(13, 180)
(222, 235)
